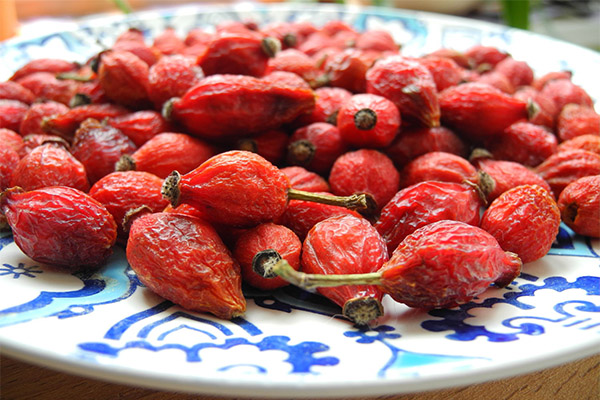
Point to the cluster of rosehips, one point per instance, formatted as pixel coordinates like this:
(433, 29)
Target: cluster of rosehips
(320, 156)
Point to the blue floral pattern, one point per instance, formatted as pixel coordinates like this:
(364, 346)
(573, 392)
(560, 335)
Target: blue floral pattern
(117, 319)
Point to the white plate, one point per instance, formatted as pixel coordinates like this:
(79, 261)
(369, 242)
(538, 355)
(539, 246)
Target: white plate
(291, 343)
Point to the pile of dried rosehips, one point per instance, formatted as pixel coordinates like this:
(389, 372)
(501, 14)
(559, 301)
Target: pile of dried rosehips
(253, 153)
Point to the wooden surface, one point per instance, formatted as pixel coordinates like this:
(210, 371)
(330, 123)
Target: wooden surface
(578, 380)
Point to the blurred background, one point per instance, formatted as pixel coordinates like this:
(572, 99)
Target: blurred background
(576, 21)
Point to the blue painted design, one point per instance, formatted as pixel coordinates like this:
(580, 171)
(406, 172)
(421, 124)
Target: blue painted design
(568, 243)
(402, 359)
(5, 239)
(454, 319)
(112, 283)
(20, 270)
(257, 368)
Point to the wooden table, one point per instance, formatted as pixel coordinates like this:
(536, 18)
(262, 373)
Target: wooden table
(578, 380)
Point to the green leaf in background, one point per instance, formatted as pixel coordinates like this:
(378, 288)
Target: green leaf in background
(516, 13)
(123, 5)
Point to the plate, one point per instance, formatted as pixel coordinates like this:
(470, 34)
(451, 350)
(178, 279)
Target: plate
(292, 343)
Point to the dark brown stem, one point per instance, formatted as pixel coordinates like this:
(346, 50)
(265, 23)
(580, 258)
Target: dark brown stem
(271, 46)
(263, 262)
(301, 152)
(362, 202)
(362, 310)
(170, 188)
(125, 163)
(365, 119)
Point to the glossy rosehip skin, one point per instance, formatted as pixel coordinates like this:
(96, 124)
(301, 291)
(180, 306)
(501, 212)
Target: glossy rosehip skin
(182, 259)
(60, 226)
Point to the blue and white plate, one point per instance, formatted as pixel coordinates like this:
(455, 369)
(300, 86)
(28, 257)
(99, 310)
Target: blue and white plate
(292, 343)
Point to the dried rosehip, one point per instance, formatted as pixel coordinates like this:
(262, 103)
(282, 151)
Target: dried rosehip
(50, 165)
(271, 145)
(165, 153)
(484, 58)
(525, 143)
(32, 121)
(303, 179)
(52, 65)
(300, 216)
(376, 40)
(98, 147)
(438, 166)
(478, 111)
(518, 72)
(124, 78)
(497, 80)
(564, 167)
(242, 189)
(182, 258)
(292, 60)
(457, 56)
(412, 143)
(45, 86)
(9, 159)
(239, 52)
(579, 205)
(583, 142)
(525, 220)
(60, 225)
(424, 203)
(328, 101)
(409, 85)
(368, 120)
(445, 71)
(316, 147)
(10, 90)
(577, 120)
(66, 124)
(34, 140)
(12, 113)
(564, 91)
(121, 192)
(347, 69)
(347, 245)
(365, 171)
(13, 140)
(506, 175)
(541, 108)
(141, 126)
(224, 106)
(168, 42)
(172, 76)
(268, 237)
(441, 265)
(540, 82)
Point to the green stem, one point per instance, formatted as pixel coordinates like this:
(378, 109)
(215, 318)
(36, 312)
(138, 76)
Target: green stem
(124, 6)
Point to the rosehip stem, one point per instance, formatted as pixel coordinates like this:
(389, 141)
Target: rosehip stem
(303, 280)
(362, 202)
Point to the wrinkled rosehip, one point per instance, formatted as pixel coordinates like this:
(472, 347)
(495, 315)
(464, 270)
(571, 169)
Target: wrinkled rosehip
(564, 91)
(518, 72)
(66, 124)
(438, 166)
(328, 101)
(579, 205)
(32, 121)
(11, 114)
(577, 120)
(583, 142)
(564, 167)
(10, 90)
(52, 65)
(124, 78)
(272, 145)
(445, 71)
(46, 87)
(525, 143)
(141, 126)
(60, 226)
(9, 159)
(172, 76)
(303, 179)
(316, 147)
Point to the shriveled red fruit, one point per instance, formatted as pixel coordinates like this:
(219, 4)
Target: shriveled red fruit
(98, 147)
(564, 91)
(348, 68)
(525, 220)
(484, 58)
(365, 171)
(46, 86)
(12, 113)
(525, 143)
(270, 237)
(140, 49)
(10, 90)
(9, 159)
(518, 72)
(271, 145)
(347, 245)
(225, 106)
(166, 152)
(242, 189)
(12, 139)
(478, 111)
(445, 71)
(497, 80)
(300, 216)
(368, 120)
(409, 85)
(506, 175)
(60, 226)
(376, 40)
(438, 166)
(168, 42)
(240, 52)
(182, 259)
(539, 82)
(52, 65)
(172, 76)
(424, 203)
(584, 142)
(577, 120)
(457, 56)
(328, 101)
(579, 205)
(141, 126)
(540, 107)
(34, 140)
(66, 124)
(564, 167)
(303, 179)
(50, 165)
(316, 147)
(412, 143)
(293, 60)
(124, 78)
(441, 265)
(122, 192)
(33, 118)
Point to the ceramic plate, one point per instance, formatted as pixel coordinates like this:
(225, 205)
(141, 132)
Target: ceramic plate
(292, 343)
